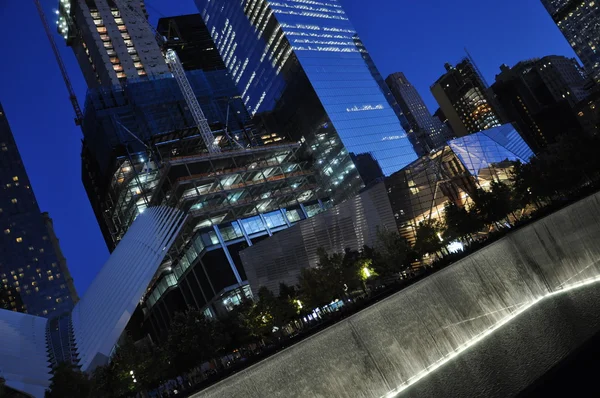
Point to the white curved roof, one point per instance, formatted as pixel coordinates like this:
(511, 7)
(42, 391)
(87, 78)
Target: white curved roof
(106, 307)
(24, 362)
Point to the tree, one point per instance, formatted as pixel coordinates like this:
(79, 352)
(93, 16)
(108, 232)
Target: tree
(107, 383)
(192, 340)
(68, 382)
(314, 288)
(429, 238)
(148, 363)
(391, 255)
(285, 306)
(494, 205)
(460, 222)
(238, 329)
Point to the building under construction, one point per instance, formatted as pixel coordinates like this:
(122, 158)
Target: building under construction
(142, 149)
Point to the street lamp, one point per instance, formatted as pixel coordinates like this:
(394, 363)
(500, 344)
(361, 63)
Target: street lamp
(367, 272)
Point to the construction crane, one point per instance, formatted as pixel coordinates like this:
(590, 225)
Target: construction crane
(61, 64)
(176, 68)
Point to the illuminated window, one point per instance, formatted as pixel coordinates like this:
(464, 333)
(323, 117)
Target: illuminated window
(13, 200)
(15, 178)
(50, 278)
(7, 231)
(19, 240)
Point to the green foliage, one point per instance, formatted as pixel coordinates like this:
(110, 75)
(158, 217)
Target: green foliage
(68, 382)
(561, 168)
(494, 205)
(192, 340)
(392, 253)
(460, 222)
(428, 238)
(335, 276)
(240, 328)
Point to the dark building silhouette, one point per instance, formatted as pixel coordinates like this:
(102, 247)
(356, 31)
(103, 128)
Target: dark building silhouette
(33, 278)
(579, 21)
(190, 38)
(368, 168)
(465, 100)
(540, 95)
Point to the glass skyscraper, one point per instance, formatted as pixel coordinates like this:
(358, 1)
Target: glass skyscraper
(300, 66)
(430, 130)
(579, 21)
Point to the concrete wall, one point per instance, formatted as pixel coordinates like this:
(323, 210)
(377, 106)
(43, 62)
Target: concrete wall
(383, 349)
(351, 224)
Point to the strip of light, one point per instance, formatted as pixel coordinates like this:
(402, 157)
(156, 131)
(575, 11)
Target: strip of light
(482, 336)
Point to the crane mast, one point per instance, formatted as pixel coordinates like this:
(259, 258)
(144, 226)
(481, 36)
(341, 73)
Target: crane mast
(61, 64)
(191, 100)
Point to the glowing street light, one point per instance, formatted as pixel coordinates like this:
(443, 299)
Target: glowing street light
(367, 272)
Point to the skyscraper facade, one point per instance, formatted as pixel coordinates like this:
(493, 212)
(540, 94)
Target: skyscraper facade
(110, 45)
(540, 96)
(33, 278)
(142, 148)
(432, 131)
(579, 21)
(302, 66)
(465, 100)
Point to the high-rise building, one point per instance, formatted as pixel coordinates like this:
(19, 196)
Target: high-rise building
(579, 21)
(33, 274)
(540, 95)
(465, 100)
(303, 67)
(142, 148)
(111, 45)
(189, 37)
(430, 129)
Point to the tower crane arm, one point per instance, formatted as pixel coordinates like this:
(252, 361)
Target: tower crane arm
(61, 64)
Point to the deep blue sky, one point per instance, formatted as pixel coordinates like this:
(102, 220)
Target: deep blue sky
(416, 37)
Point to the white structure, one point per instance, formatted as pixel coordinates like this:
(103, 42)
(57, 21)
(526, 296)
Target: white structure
(100, 317)
(23, 358)
(102, 314)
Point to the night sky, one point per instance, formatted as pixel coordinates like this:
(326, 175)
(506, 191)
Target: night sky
(416, 37)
